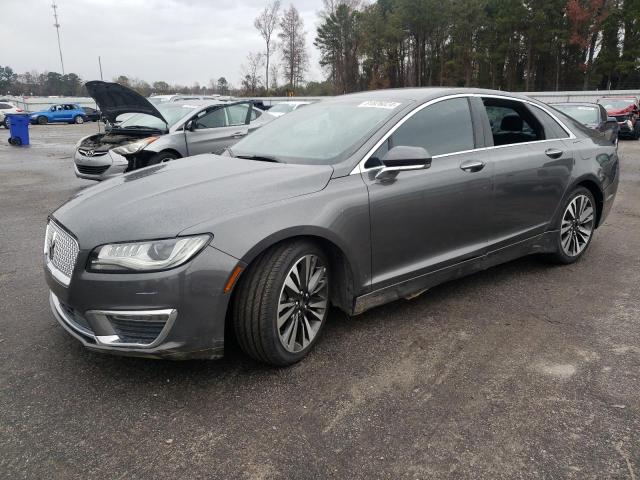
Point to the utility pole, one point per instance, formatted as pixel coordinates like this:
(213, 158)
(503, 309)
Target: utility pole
(57, 25)
(100, 64)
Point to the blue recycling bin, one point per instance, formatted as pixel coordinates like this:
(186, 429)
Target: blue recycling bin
(18, 128)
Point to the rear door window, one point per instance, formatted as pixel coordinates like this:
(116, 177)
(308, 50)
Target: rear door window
(552, 129)
(238, 114)
(512, 122)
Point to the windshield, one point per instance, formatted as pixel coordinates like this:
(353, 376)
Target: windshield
(613, 104)
(170, 111)
(281, 108)
(584, 114)
(322, 133)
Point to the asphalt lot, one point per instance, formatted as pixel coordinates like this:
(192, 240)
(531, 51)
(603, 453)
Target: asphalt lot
(523, 371)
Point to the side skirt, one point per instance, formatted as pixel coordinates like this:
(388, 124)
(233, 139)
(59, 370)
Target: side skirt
(543, 243)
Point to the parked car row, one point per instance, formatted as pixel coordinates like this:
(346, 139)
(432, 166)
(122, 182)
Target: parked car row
(351, 202)
(153, 134)
(612, 117)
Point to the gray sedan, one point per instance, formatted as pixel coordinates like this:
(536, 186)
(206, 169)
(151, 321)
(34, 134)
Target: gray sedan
(152, 134)
(352, 203)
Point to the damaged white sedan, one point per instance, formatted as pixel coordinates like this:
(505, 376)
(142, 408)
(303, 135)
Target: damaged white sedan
(153, 134)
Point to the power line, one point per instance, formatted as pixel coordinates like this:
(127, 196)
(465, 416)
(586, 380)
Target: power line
(57, 25)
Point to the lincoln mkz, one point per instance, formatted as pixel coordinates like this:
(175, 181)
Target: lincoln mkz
(351, 202)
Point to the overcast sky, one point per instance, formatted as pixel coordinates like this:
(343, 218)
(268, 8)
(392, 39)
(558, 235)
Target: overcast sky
(178, 41)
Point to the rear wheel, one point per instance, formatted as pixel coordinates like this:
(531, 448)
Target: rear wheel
(42, 120)
(636, 130)
(78, 119)
(282, 303)
(5, 123)
(576, 226)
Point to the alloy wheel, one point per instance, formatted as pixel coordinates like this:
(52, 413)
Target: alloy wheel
(577, 225)
(303, 303)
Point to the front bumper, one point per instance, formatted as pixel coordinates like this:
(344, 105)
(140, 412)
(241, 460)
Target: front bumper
(99, 167)
(191, 296)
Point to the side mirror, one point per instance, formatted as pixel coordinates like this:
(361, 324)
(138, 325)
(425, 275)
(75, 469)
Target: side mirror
(190, 125)
(403, 158)
(612, 119)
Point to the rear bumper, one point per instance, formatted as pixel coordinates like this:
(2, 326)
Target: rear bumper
(191, 298)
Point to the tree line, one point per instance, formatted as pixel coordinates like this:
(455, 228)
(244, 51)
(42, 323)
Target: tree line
(501, 44)
(526, 45)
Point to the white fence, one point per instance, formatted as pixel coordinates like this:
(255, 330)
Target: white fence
(34, 104)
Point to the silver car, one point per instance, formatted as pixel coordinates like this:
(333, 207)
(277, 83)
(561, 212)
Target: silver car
(153, 134)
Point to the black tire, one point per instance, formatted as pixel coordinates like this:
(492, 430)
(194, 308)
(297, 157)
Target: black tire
(560, 256)
(636, 130)
(161, 157)
(78, 119)
(256, 301)
(16, 141)
(42, 120)
(5, 123)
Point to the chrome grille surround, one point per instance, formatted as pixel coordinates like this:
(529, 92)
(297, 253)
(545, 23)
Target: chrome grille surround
(87, 152)
(60, 252)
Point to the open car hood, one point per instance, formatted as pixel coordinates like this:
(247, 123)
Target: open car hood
(114, 99)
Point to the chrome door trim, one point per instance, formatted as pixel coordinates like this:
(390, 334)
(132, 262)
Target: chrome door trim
(360, 167)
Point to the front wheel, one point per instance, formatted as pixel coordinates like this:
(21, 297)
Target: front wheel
(282, 303)
(42, 120)
(576, 226)
(161, 157)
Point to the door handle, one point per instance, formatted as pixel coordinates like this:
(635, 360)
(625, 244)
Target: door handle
(553, 153)
(238, 134)
(472, 166)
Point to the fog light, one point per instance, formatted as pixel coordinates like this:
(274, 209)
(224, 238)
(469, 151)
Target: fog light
(135, 328)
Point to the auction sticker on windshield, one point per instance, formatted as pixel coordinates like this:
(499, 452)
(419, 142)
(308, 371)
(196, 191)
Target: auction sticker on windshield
(378, 104)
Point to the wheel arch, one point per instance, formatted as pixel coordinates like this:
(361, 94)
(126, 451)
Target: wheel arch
(343, 288)
(170, 150)
(593, 186)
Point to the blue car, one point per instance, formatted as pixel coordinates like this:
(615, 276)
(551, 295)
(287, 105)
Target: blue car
(67, 112)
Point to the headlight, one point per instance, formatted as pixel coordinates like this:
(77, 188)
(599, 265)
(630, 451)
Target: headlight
(134, 147)
(148, 256)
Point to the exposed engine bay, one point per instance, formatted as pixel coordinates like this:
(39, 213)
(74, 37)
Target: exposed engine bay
(101, 143)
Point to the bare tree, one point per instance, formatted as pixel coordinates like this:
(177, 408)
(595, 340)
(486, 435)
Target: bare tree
(274, 76)
(293, 48)
(251, 79)
(266, 24)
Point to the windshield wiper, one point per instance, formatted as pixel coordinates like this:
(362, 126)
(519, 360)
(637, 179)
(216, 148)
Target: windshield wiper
(260, 158)
(139, 127)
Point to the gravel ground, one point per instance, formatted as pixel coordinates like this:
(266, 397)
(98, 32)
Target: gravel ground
(523, 371)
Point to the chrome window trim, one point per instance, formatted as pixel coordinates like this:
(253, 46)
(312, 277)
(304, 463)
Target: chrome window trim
(360, 167)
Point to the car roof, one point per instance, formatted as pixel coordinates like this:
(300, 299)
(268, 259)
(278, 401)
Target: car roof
(423, 94)
(578, 104)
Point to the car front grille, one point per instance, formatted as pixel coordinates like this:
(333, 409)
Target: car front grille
(61, 252)
(92, 169)
(91, 153)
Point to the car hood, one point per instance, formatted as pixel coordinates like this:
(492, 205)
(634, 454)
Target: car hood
(114, 99)
(163, 200)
